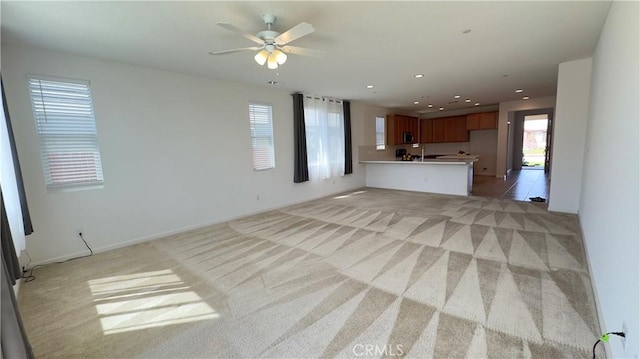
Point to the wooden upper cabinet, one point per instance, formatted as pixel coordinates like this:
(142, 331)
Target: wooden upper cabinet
(397, 124)
(450, 129)
(473, 121)
(482, 121)
(488, 120)
(426, 131)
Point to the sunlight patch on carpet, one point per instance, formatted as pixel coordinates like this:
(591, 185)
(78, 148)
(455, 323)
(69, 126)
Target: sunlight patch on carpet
(146, 300)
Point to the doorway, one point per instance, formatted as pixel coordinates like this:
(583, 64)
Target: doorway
(534, 142)
(530, 147)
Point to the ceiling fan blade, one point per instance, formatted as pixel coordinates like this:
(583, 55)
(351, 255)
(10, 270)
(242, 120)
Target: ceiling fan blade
(295, 50)
(224, 52)
(294, 33)
(247, 35)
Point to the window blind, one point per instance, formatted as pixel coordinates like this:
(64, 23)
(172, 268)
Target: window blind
(261, 123)
(380, 133)
(66, 127)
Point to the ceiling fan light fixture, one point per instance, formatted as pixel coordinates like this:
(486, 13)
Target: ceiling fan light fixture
(281, 57)
(272, 63)
(261, 57)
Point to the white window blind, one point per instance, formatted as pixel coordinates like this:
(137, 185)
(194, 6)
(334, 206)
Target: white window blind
(380, 133)
(261, 122)
(65, 122)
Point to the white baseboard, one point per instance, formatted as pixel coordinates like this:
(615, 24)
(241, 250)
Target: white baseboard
(594, 290)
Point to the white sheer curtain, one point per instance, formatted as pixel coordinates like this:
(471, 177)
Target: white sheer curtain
(324, 126)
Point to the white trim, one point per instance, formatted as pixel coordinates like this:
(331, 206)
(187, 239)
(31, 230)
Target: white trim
(596, 298)
(58, 79)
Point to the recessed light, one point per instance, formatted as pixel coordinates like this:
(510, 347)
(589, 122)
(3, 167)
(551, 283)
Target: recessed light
(456, 96)
(467, 100)
(429, 105)
(519, 90)
(369, 86)
(441, 108)
(477, 104)
(416, 102)
(525, 98)
(418, 76)
(466, 31)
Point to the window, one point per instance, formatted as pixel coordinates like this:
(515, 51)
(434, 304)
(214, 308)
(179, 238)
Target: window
(324, 126)
(261, 122)
(66, 126)
(380, 133)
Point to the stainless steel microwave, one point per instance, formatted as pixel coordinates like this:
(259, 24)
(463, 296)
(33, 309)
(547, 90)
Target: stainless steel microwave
(407, 137)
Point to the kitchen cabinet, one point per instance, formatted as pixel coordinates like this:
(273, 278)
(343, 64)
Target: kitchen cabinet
(426, 131)
(450, 129)
(397, 124)
(482, 121)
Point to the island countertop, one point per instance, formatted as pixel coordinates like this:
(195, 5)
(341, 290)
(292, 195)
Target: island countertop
(439, 175)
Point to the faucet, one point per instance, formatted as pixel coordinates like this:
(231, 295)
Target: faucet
(422, 157)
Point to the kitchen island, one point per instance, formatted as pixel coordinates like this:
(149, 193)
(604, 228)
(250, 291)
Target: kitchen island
(445, 174)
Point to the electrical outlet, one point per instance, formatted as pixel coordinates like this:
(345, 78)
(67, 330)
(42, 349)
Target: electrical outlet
(624, 339)
(79, 232)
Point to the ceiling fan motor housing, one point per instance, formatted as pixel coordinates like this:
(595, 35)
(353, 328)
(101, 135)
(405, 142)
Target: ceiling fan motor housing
(267, 35)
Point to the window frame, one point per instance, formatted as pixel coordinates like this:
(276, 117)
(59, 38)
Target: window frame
(271, 136)
(85, 133)
(381, 146)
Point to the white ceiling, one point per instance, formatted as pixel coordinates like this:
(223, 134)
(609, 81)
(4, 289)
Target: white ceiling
(378, 43)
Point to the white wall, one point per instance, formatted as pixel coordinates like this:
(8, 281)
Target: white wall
(569, 134)
(369, 114)
(506, 115)
(609, 204)
(175, 151)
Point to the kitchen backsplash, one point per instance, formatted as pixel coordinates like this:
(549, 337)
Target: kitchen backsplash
(481, 143)
(437, 148)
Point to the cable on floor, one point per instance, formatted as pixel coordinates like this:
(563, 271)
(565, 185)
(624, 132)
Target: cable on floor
(30, 277)
(605, 338)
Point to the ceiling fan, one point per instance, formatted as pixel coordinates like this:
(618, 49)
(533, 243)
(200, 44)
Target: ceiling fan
(274, 46)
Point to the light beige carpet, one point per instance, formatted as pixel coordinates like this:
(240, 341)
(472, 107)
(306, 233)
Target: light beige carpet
(371, 273)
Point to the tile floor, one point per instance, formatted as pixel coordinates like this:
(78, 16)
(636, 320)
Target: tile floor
(519, 185)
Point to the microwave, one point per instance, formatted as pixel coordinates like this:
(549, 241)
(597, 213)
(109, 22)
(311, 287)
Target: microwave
(407, 137)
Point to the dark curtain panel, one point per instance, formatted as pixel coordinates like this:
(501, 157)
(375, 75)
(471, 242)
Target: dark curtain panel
(300, 167)
(348, 156)
(9, 257)
(26, 217)
(15, 343)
